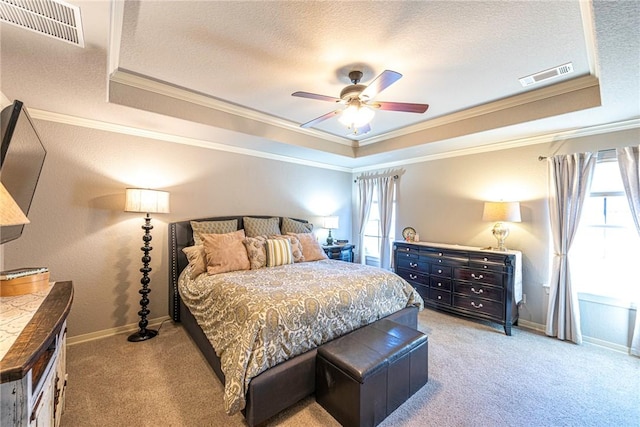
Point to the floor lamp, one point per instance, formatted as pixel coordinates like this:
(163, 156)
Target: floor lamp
(147, 201)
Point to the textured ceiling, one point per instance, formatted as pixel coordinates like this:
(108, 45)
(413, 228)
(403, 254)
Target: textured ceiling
(224, 71)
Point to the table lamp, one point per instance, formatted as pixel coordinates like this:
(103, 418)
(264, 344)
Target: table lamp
(501, 212)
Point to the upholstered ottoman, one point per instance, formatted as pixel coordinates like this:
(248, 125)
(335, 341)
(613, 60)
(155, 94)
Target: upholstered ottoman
(364, 376)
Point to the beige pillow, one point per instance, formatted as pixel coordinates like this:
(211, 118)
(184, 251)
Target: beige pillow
(256, 251)
(197, 259)
(212, 227)
(296, 247)
(254, 227)
(225, 252)
(292, 226)
(311, 249)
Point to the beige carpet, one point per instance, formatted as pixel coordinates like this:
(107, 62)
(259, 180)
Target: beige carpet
(477, 377)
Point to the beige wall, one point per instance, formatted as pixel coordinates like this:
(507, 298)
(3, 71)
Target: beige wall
(443, 200)
(79, 229)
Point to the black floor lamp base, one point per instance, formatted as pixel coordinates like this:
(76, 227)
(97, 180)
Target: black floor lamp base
(142, 336)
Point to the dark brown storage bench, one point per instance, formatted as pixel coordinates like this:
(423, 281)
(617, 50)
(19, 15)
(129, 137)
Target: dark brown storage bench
(364, 376)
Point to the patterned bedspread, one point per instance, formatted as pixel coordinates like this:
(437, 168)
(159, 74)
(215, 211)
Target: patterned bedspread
(256, 319)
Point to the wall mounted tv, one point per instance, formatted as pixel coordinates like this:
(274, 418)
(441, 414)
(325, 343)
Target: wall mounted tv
(21, 158)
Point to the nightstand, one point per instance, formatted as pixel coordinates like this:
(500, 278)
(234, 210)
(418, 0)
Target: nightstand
(340, 252)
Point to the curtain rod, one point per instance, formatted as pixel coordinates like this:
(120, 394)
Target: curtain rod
(373, 176)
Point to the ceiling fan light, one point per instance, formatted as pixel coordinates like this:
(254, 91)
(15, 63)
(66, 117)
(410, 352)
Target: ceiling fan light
(355, 117)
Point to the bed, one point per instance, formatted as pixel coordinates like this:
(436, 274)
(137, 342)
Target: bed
(271, 388)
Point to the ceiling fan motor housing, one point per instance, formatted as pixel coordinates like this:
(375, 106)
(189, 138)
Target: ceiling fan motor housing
(351, 91)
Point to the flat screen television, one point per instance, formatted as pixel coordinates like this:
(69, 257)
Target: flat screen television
(21, 158)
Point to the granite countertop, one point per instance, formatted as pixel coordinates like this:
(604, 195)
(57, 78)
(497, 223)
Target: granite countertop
(15, 314)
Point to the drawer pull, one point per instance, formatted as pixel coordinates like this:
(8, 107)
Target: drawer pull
(439, 260)
(413, 264)
(439, 253)
(439, 284)
(439, 297)
(412, 276)
(477, 292)
(478, 277)
(485, 259)
(439, 271)
(476, 306)
(484, 266)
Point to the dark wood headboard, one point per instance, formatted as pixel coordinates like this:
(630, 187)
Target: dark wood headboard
(181, 236)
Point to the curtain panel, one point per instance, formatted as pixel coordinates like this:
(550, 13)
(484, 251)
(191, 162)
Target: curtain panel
(629, 163)
(384, 184)
(569, 183)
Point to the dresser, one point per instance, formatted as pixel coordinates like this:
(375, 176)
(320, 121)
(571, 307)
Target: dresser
(33, 365)
(464, 280)
(340, 252)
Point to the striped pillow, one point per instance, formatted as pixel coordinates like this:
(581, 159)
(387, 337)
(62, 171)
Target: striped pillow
(278, 252)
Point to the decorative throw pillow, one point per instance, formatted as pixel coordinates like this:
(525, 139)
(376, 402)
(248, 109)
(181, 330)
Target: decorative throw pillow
(254, 227)
(225, 252)
(311, 249)
(256, 251)
(296, 247)
(278, 252)
(197, 259)
(212, 227)
(292, 226)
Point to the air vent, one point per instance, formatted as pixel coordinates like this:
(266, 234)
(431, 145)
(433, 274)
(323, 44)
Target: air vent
(52, 18)
(547, 74)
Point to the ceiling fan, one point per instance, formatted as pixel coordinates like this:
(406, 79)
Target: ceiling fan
(357, 105)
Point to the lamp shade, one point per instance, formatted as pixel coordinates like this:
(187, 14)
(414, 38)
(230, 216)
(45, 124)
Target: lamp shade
(10, 212)
(501, 211)
(145, 200)
(330, 222)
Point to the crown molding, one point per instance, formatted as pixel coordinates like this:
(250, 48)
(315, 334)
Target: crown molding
(498, 145)
(138, 81)
(529, 97)
(161, 136)
(490, 146)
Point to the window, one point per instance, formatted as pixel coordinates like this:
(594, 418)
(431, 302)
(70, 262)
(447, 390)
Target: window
(606, 247)
(372, 231)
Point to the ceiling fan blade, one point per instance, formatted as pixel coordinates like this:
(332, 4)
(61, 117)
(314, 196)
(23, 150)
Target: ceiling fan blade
(406, 107)
(316, 96)
(380, 83)
(322, 118)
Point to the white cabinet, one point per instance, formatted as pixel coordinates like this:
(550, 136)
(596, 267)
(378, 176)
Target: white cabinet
(33, 371)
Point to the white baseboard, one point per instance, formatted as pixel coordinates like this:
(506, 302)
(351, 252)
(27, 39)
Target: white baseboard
(537, 327)
(132, 327)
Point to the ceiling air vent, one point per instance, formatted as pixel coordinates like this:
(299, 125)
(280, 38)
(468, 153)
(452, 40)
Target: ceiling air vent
(560, 70)
(52, 18)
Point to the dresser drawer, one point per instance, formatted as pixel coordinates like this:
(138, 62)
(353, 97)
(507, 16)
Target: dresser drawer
(479, 306)
(479, 290)
(413, 277)
(445, 257)
(440, 296)
(407, 250)
(481, 276)
(440, 283)
(440, 270)
(414, 264)
(491, 262)
(423, 290)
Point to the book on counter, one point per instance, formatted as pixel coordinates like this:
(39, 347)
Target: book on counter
(22, 272)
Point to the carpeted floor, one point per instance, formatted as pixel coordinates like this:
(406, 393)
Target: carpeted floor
(477, 377)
